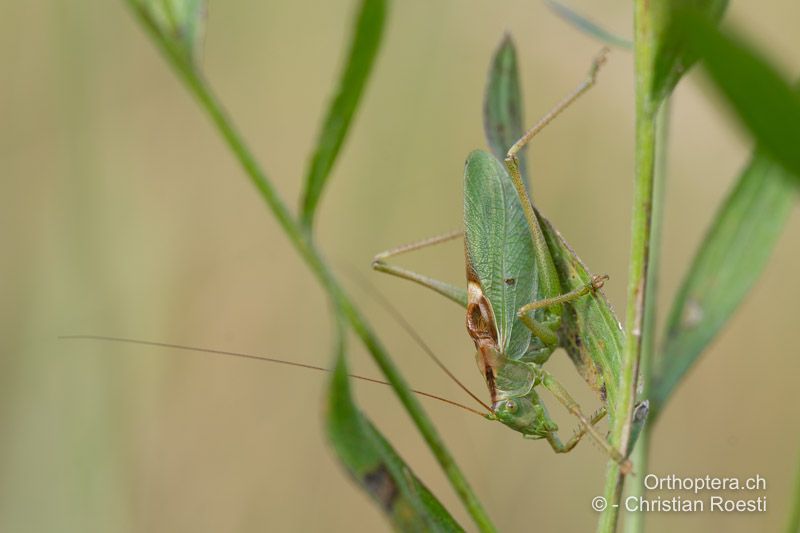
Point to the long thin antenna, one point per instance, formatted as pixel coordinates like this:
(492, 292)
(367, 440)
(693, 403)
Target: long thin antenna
(257, 358)
(398, 316)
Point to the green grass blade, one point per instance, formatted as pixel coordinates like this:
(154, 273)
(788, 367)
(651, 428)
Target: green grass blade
(674, 55)
(367, 33)
(730, 259)
(375, 466)
(179, 22)
(764, 102)
(502, 104)
(587, 26)
(199, 88)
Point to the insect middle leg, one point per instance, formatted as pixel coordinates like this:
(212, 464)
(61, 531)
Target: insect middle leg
(545, 331)
(456, 294)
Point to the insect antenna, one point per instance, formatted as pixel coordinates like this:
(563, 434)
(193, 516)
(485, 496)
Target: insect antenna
(409, 329)
(256, 358)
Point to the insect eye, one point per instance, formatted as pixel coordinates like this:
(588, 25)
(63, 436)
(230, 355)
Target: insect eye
(511, 406)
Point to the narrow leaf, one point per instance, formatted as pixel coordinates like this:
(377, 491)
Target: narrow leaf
(502, 104)
(729, 261)
(180, 23)
(763, 101)
(587, 26)
(674, 56)
(374, 464)
(366, 40)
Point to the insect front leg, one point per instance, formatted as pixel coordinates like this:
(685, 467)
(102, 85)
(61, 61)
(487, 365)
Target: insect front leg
(572, 406)
(560, 447)
(456, 294)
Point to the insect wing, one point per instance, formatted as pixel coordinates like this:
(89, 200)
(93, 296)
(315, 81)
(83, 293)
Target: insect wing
(590, 331)
(498, 247)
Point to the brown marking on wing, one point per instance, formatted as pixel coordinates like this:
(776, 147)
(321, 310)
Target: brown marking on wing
(482, 330)
(488, 373)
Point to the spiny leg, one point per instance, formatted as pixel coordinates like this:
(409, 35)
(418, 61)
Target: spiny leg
(594, 284)
(585, 85)
(548, 276)
(560, 447)
(456, 294)
(572, 406)
(545, 331)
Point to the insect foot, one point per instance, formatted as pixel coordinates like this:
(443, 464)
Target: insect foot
(598, 62)
(598, 281)
(626, 468)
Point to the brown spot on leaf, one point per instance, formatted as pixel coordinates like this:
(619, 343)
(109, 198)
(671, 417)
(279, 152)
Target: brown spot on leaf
(380, 484)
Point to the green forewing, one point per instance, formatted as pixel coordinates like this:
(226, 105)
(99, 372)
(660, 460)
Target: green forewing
(499, 248)
(590, 331)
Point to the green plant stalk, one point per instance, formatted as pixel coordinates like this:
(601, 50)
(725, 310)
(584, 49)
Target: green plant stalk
(320, 269)
(634, 522)
(638, 290)
(793, 525)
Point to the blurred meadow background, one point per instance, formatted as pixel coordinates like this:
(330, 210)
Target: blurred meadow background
(123, 214)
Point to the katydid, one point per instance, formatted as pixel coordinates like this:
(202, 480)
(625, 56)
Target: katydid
(514, 299)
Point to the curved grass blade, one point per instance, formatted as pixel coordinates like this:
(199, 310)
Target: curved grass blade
(212, 107)
(730, 259)
(587, 26)
(674, 55)
(179, 22)
(375, 466)
(502, 104)
(590, 331)
(364, 47)
(764, 102)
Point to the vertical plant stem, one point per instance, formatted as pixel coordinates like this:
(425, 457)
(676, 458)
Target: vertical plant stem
(793, 525)
(317, 264)
(638, 292)
(640, 457)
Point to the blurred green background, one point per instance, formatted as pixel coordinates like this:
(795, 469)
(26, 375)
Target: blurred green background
(123, 214)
